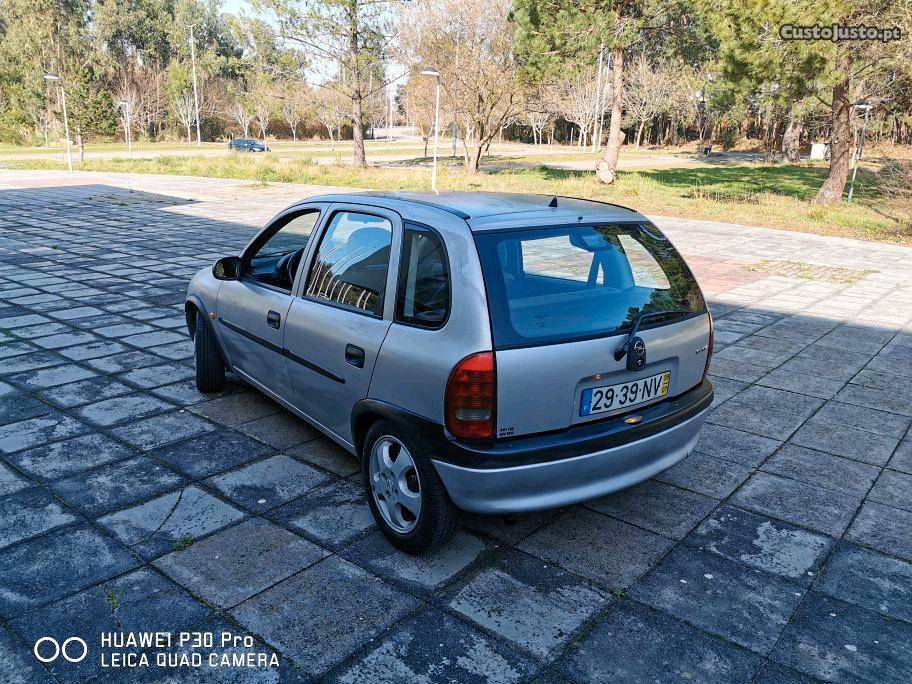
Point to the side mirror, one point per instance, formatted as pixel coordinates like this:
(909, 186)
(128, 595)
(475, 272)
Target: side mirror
(227, 268)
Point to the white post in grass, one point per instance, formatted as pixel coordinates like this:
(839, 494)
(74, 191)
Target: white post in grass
(866, 107)
(125, 106)
(54, 78)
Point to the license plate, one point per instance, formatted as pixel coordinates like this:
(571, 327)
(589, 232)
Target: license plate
(624, 394)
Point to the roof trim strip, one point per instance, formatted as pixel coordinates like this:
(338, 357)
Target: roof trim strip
(450, 210)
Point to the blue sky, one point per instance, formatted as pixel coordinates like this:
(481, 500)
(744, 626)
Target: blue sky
(235, 6)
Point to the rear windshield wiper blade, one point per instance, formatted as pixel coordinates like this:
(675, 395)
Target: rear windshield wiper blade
(621, 351)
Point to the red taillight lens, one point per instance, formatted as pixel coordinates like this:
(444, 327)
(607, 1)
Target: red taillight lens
(709, 347)
(471, 397)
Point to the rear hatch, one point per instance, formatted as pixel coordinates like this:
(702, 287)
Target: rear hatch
(563, 302)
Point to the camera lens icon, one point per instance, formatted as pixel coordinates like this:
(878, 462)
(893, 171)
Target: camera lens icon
(68, 649)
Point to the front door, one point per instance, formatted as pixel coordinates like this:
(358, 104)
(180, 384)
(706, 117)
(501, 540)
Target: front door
(335, 328)
(252, 311)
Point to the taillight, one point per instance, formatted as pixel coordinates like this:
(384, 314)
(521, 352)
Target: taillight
(471, 397)
(709, 347)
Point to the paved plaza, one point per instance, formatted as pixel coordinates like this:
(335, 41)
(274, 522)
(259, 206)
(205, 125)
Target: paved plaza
(780, 550)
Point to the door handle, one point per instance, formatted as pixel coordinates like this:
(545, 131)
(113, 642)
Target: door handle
(273, 319)
(354, 356)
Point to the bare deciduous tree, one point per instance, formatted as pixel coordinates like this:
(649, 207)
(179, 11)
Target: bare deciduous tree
(263, 103)
(650, 88)
(349, 37)
(418, 101)
(538, 117)
(184, 109)
(470, 43)
(331, 112)
(577, 101)
(295, 107)
(239, 111)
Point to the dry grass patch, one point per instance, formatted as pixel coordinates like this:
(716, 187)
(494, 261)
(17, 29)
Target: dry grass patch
(752, 194)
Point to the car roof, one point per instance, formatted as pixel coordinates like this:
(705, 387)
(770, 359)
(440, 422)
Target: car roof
(489, 210)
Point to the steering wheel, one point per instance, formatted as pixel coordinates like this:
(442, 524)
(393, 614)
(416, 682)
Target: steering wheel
(286, 267)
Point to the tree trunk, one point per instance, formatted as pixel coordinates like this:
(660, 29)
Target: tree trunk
(772, 134)
(357, 114)
(294, 135)
(474, 161)
(791, 140)
(606, 169)
(640, 132)
(81, 143)
(840, 141)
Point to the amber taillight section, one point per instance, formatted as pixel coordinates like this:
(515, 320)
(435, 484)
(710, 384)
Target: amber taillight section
(709, 348)
(471, 397)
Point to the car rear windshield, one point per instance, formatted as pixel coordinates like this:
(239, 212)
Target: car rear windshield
(553, 285)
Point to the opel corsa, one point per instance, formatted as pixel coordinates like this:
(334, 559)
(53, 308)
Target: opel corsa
(493, 353)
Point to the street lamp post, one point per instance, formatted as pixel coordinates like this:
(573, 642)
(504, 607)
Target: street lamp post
(431, 71)
(196, 104)
(125, 106)
(867, 112)
(54, 78)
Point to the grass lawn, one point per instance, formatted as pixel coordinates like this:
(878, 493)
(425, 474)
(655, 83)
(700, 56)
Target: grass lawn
(753, 194)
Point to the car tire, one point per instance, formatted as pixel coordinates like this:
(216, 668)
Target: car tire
(210, 370)
(438, 517)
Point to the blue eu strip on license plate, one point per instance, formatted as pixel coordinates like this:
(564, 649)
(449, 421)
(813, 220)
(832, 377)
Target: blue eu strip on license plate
(586, 402)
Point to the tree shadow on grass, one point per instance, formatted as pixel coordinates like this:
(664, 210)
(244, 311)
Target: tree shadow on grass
(730, 182)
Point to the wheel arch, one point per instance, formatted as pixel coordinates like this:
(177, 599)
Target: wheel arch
(193, 308)
(367, 412)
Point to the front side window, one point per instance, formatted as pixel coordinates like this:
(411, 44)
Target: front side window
(352, 264)
(276, 261)
(290, 237)
(553, 285)
(424, 279)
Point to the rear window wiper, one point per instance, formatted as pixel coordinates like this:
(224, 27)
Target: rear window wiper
(637, 360)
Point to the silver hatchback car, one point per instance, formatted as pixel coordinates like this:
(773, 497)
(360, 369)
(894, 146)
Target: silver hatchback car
(493, 353)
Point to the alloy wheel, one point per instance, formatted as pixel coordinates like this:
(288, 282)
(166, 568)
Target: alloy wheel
(395, 484)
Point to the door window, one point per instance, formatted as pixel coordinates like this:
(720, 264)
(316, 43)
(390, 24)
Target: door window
(276, 261)
(424, 280)
(351, 266)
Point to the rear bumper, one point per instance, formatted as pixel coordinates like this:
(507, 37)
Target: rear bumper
(594, 460)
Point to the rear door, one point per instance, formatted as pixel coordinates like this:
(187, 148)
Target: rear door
(337, 324)
(563, 300)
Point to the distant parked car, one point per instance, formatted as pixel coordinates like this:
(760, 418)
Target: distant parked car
(248, 145)
(493, 353)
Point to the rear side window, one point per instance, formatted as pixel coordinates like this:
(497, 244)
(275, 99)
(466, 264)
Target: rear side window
(352, 264)
(553, 285)
(424, 279)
